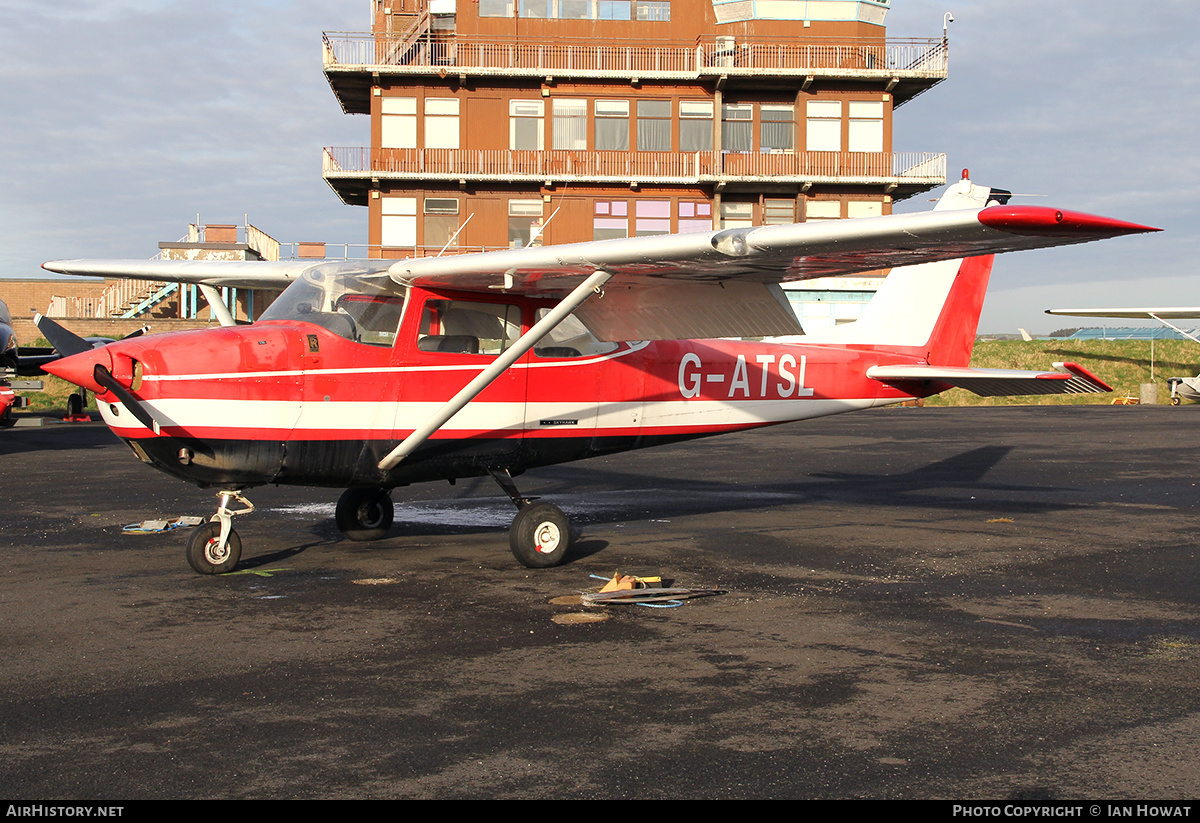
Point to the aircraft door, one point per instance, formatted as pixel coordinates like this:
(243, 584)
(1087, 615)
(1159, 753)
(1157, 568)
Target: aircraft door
(450, 341)
(571, 394)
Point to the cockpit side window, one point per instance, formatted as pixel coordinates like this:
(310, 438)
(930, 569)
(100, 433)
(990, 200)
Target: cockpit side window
(376, 317)
(570, 338)
(464, 327)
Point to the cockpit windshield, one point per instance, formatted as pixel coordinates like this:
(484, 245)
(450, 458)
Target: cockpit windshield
(364, 308)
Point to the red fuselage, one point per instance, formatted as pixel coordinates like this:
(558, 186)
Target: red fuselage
(295, 402)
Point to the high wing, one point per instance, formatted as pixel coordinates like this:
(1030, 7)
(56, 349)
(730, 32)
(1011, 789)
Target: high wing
(716, 284)
(1164, 316)
(1067, 378)
(725, 283)
(1169, 313)
(242, 274)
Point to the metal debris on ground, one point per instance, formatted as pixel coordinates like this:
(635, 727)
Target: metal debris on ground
(643, 591)
(153, 526)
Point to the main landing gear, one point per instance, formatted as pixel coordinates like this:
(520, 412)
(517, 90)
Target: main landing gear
(214, 547)
(364, 514)
(539, 537)
(540, 534)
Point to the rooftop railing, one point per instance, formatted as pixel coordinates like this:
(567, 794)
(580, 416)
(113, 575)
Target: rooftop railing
(630, 166)
(708, 56)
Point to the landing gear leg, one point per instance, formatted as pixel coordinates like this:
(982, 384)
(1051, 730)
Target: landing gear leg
(214, 547)
(540, 534)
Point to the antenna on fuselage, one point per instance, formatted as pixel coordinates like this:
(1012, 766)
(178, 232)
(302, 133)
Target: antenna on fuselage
(454, 236)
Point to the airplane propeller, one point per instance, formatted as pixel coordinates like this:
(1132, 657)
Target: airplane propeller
(67, 342)
(105, 378)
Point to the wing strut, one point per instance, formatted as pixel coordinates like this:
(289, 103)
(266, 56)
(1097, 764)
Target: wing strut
(217, 305)
(1191, 337)
(513, 353)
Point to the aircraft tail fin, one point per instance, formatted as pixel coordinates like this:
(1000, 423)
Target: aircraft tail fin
(933, 307)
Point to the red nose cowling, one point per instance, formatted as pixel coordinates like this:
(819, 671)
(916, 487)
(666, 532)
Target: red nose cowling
(80, 368)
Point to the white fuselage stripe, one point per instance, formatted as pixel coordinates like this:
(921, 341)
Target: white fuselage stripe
(386, 417)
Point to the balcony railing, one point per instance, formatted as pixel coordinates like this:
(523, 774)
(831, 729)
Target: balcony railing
(631, 166)
(348, 51)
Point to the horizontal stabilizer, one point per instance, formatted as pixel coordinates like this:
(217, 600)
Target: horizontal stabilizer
(1067, 378)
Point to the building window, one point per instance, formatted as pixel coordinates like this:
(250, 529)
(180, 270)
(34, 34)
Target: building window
(864, 208)
(570, 124)
(824, 131)
(610, 220)
(777, 128)
(653, 10)
(695, 216)
(866, 126)
(778, 211)
(441, 123)
(495, 8)
(737, 127)
(612, 125)
(575, 9)
(615, 10)
(526, 129)
(523, 217)
(695, 125)
(737, 215)
(822, 210)
(654, 125)
(399, 123)
(652, 217)
(441, 222)
(398, 226)
(536, 8)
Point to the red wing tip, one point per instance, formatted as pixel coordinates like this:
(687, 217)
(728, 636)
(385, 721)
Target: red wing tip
(1039, 220)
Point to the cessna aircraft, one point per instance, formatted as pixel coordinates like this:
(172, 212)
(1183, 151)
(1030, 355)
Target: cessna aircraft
(376, 374)
(1185, 388)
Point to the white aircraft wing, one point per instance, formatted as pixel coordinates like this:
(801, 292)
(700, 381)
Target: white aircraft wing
(1169, 313)
(242, 274)
(1067, 378)
(725, 283)
(716, 284)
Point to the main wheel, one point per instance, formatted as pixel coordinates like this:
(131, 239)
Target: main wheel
(364, 514)
(203, 554)
(74, 405)
(1175, 400)
(540, 536)
(7, 421)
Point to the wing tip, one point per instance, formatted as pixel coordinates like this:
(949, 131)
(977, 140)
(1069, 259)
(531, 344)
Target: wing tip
(1041, 220)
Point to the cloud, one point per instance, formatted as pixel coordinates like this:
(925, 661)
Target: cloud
(125, 120)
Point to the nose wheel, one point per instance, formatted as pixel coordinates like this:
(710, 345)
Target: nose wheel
(214, 547)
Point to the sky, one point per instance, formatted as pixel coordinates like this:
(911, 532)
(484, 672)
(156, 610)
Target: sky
(124, 121)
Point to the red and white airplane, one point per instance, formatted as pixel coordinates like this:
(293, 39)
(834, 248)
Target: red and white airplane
(376, 374)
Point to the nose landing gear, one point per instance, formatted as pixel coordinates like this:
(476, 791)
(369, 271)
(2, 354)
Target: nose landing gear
(214, 547)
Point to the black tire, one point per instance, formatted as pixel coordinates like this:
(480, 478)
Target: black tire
(7, 420)
(74, 405)
(540, 536)
(364, 514)
(1174, 401)
(201, 554)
